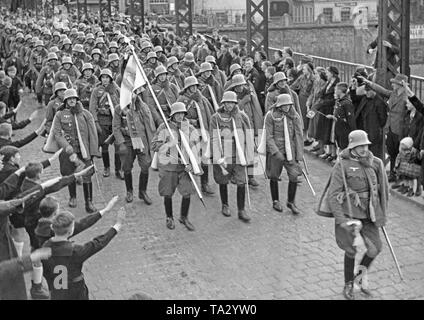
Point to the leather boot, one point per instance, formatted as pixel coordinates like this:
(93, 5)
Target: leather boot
(204, 179)
(106, 164)
(129, 186)
(275, 196)
(241, 194)
(118, 167)
(72, 195)
(185, 205)
(167, 201)
(291, 195)
(223, 192)
(348, 292)
(142, 187)
(88, 197)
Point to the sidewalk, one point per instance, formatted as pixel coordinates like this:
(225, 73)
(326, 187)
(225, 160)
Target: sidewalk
(418, 201)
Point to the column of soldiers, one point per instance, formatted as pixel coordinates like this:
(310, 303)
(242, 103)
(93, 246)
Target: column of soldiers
(189, 118)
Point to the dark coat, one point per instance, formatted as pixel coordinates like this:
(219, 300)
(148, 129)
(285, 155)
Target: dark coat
(326, 106)
(414, 127)
(371, 116)
(345, 124)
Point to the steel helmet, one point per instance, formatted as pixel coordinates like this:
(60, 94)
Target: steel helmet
(19, 36)
(279, 76)
(70, 93)
(28, 37)
(39, 43)
(74, 31)
(81, 25)
(67, 41)
(238, 80)
(210, 59)
(113, 44)
(229, 96)
(81, 34)
(106, 72)
(101, 34)
(283, 100)
(51, 56)
(100, 40)
(234, 67)
(54, 49)
(178, 107)
(66, 60)
(160, 70)
(145, 45)
(78, 48)
(90, 36)
(151, 54)
(113, 57)
(47, 33)
(205, 66)
(87, 66)
(158, 49)
(96, 51)
(358, 138)
(190, 81)
(56, 34)
(189, 57)
(60, 86)
(172, 60)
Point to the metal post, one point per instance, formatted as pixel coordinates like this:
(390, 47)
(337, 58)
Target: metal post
(184, 15)
(257, 25)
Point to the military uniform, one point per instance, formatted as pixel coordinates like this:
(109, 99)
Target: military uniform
(85, 87)
(69, 76)
(165, 92)
(367, 183)
(134, 129)
(45, 82)
(103, 112)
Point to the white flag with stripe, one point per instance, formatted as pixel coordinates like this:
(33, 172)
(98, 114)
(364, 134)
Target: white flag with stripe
(131, 81)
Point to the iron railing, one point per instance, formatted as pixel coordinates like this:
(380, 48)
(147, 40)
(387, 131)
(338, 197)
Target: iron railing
(347, 69)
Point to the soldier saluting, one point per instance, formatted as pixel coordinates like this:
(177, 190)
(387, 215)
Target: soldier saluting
(363, 177)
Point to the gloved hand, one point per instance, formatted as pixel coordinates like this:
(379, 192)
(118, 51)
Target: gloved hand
(69, 149)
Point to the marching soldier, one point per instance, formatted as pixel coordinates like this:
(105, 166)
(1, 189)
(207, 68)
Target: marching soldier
(165, 91)
(89, 44)
(66, 48)
(74, 130)
(175, 75)
(208, 83)
(173, 173)
(68, 73)
(199, 112)
(362, 213)
(161, 55)
(100, 44)
(228, 152)
(85, 84)
(113, 65)
(45, 80)
(284, 148)
(134, 128)
(235, 69)
(113, 48)
(188, 66)
(218, 74)
(97, 61)
(103, 100)
(151, 65)
(55, 102)
(250, 107)
(79, 56)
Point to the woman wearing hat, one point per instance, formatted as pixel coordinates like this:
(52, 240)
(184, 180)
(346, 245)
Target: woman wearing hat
(227, 164)
(397, 101)
(102, 104)
(173, 174)
(175, 75)
(199, 112)
(85, 84)
(326, 106)
(165, 91)
(45, 80)
(74, 130)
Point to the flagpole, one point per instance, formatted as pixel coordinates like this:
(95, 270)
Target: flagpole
(167, 126)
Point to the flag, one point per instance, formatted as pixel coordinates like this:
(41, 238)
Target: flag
(131, 81)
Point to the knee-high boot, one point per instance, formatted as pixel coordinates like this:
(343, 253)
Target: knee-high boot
(129, 186)
(72, 195)
(88, 197)
(291, 195)
(241, 197)
(185, 206)
(167, 201)
(142, 188)
(106, 163)
(204, 179)
(118, 167)
(275, 196)
(223, 191)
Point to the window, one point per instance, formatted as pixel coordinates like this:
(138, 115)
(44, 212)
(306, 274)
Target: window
(328, 13)
(279, 8)
(345, 14)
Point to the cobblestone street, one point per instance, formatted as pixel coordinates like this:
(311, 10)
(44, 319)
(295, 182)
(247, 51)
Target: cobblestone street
(276, 256)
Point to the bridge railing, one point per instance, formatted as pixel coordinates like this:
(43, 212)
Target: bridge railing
(347, 69)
